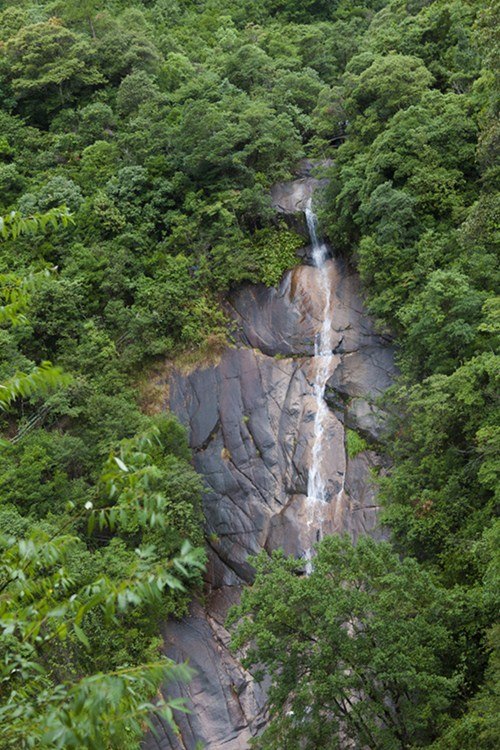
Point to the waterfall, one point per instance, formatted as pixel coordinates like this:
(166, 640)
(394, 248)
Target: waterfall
(321, 366)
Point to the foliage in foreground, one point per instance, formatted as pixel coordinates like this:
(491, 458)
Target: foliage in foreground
(72, 605)
(368, 647)
(58, 602)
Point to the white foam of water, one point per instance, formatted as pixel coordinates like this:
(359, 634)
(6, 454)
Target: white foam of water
(322, 366)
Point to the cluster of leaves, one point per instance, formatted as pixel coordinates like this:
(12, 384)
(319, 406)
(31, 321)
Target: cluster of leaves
(14, 224)
(15, 294)
(355, 443)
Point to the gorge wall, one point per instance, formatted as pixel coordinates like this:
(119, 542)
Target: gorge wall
(251, 422)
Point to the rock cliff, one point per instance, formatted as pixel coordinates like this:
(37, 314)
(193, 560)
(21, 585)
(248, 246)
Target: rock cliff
(250, 422)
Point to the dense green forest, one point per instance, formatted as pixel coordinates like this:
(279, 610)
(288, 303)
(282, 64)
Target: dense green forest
(138, 143)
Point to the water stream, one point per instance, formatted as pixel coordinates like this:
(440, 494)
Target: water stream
(322, 365)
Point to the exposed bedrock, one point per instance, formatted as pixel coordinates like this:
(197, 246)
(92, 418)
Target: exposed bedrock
(250, 422)
(228, 706)
(292, 197)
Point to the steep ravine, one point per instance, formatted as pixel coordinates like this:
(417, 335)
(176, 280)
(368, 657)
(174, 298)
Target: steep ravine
(251, 422)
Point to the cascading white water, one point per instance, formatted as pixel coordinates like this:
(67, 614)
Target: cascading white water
(322, 367)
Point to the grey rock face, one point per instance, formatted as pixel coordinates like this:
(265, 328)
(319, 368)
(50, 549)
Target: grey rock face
(291, 197)
(228, 706)
(285, 320)
(250, 422)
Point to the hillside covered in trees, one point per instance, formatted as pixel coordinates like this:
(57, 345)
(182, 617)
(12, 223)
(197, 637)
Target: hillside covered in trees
(139, 140)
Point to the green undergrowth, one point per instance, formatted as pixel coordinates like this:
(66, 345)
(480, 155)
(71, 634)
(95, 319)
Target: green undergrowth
(355, 443)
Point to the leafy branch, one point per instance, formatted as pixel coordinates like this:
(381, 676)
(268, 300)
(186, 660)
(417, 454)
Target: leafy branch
(41, 605)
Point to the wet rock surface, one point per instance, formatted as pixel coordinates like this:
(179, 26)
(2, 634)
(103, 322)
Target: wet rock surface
(293, 197)
(250, 422)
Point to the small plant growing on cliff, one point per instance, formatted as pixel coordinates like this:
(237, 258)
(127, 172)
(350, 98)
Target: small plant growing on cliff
(275, 251)
(355, 444)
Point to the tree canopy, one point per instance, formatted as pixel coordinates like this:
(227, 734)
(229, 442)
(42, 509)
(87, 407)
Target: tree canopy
(360, 650)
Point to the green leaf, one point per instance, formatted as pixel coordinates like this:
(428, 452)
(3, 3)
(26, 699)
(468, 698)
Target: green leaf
(120, 463)
(81, 635)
